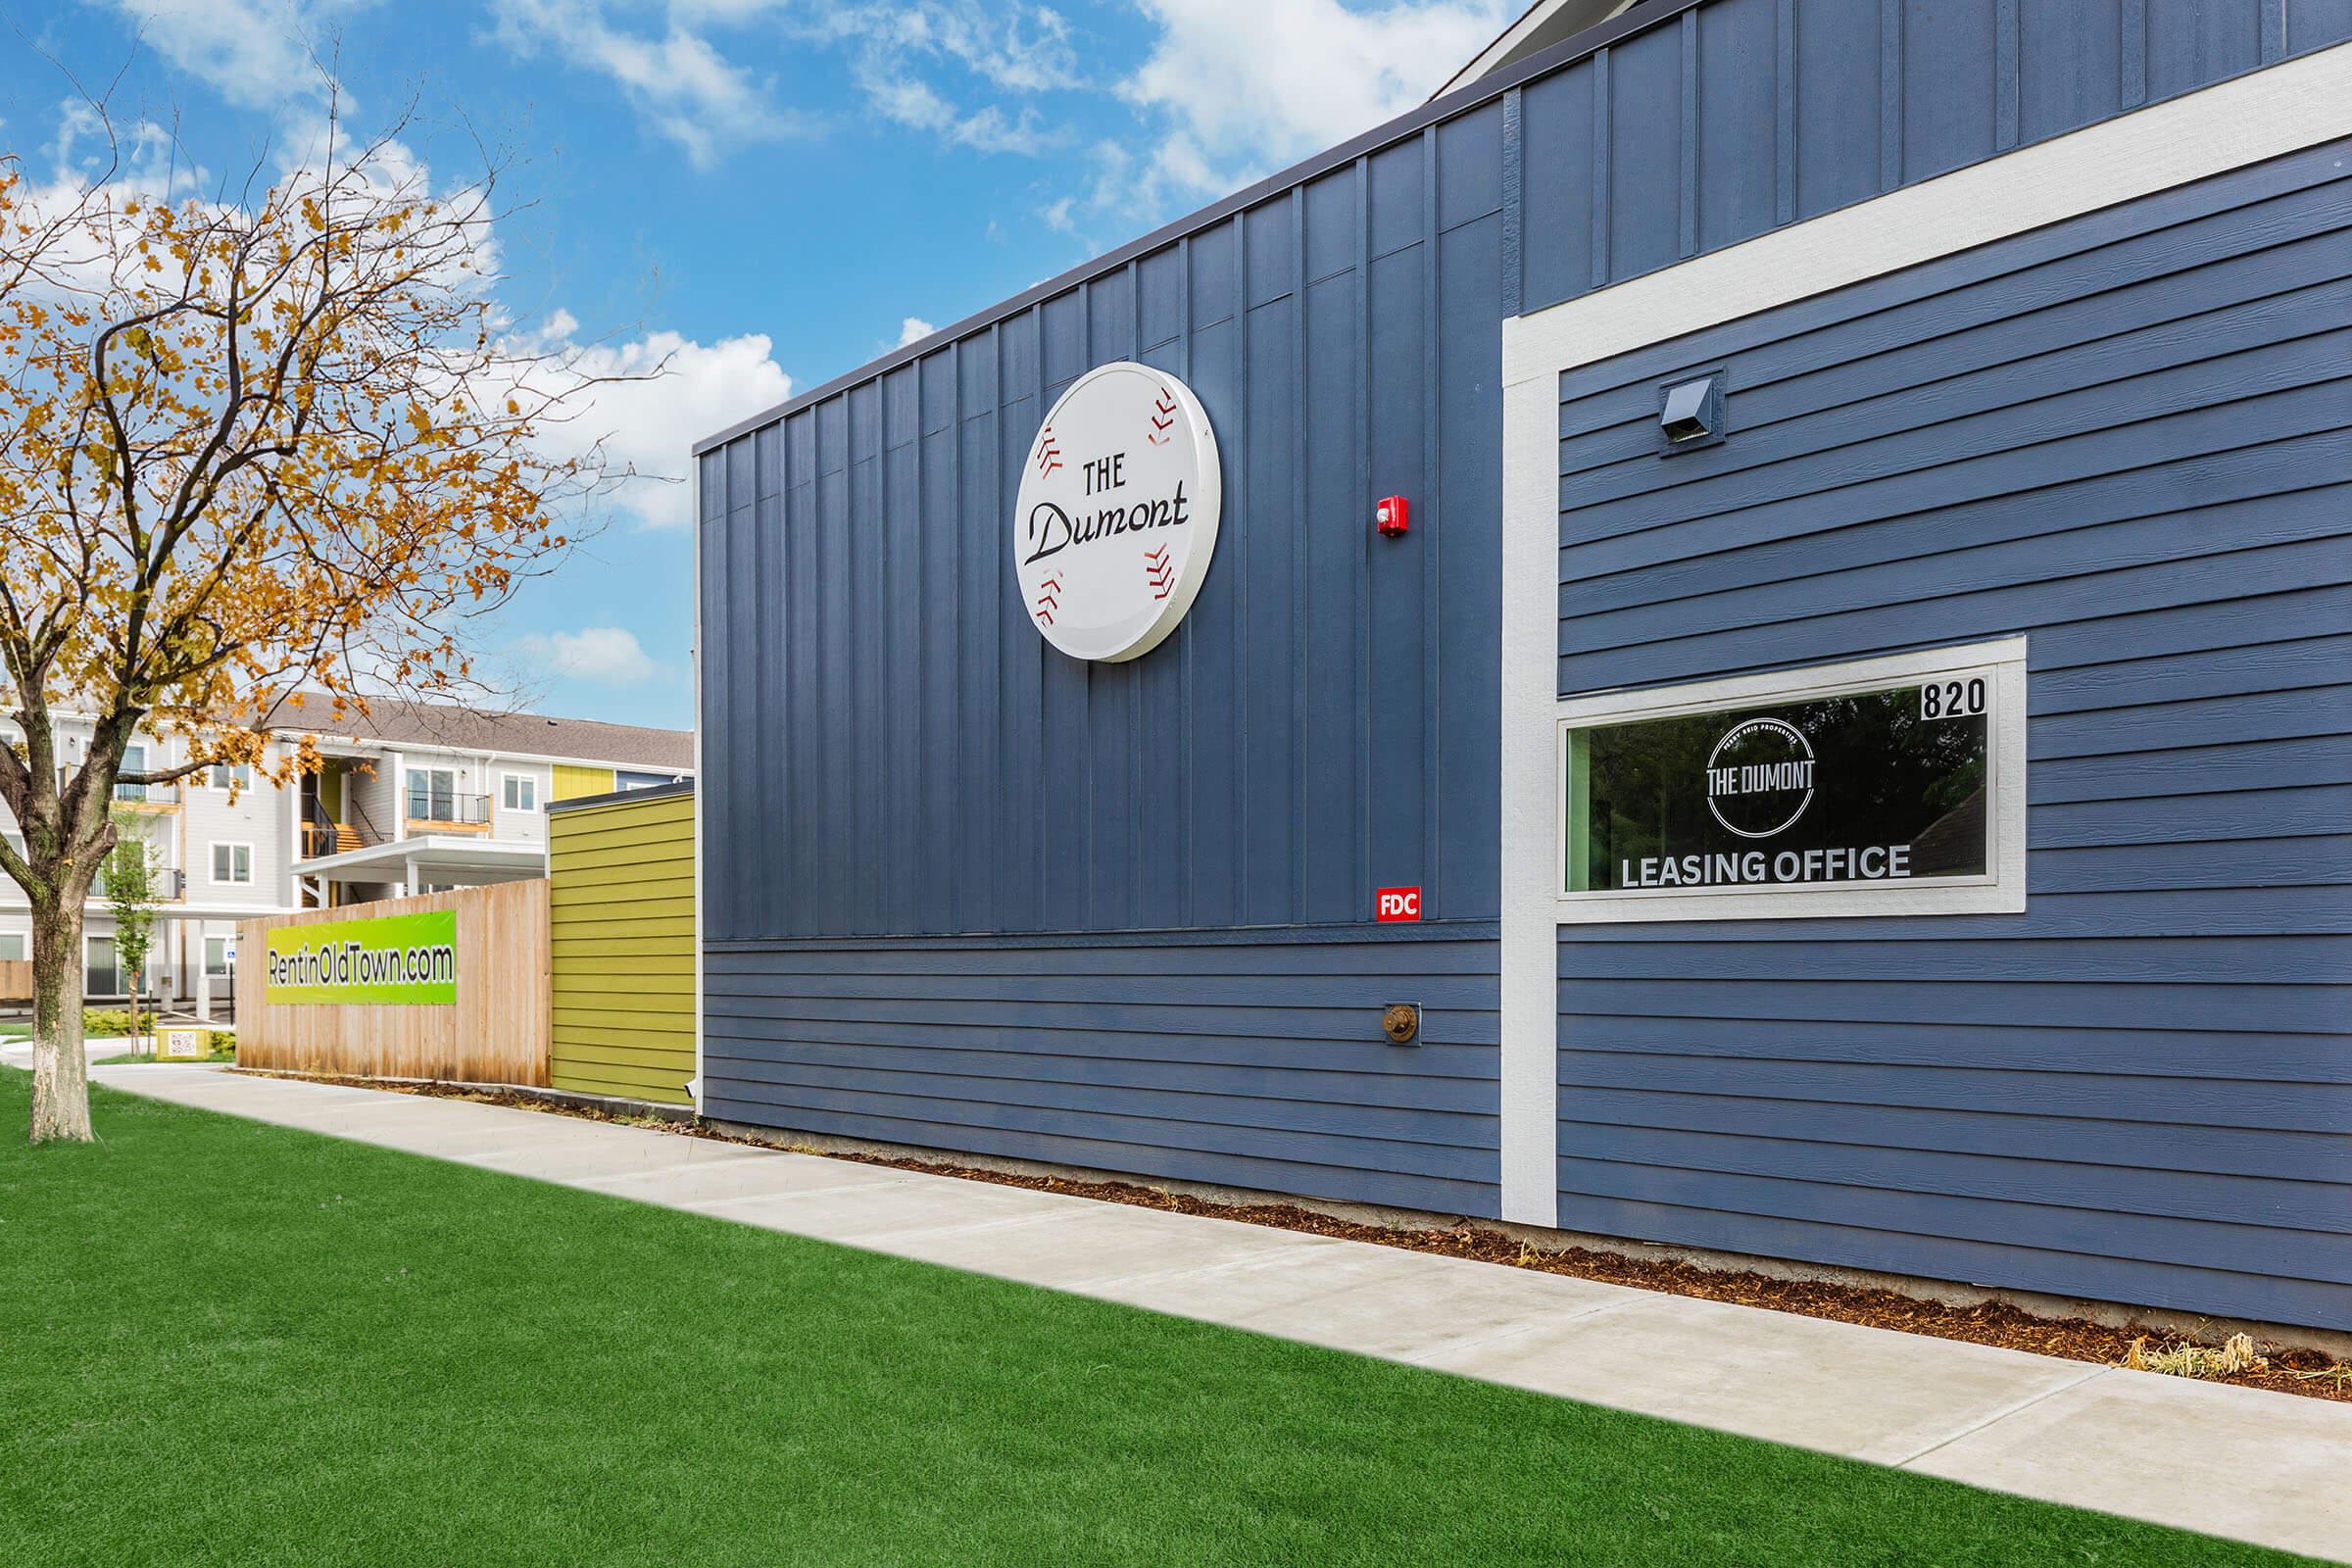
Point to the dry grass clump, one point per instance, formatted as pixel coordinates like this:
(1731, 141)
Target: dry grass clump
(2188, 1359)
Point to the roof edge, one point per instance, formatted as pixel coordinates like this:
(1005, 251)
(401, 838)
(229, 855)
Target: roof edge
(651, 792)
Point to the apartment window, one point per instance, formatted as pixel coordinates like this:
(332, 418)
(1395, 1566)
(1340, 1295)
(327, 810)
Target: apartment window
(15, 840)
(433, 795)
(100, 977)
(232, 864)
(628, 779)
(229, 775)
(134, 761)
(518, 792)
(215, 957)
(12, 947)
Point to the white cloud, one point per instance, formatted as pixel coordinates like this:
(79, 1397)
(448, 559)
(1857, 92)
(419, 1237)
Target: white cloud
(654, 397)
(609, 656)
(681, 84)
(914, 329)
(255, 53)
(1235, 89)
(140, 155)
(680, 75)
(1016, 48)
(1268, 81)
(911, 101)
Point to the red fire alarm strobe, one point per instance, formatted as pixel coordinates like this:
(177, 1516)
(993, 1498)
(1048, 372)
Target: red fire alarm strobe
(1390, 516)
(1398, 904)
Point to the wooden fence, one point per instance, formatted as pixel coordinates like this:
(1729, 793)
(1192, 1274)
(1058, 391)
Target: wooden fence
(495, 1032)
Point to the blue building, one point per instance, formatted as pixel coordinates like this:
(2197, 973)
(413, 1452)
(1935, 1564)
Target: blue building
(1843, 742)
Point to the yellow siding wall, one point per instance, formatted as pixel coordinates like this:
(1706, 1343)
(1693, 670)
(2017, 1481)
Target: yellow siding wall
(572, 781)
(622, 945)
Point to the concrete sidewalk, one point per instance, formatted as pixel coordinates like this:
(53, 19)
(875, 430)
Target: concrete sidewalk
(16, 1052)
(2241, 1462)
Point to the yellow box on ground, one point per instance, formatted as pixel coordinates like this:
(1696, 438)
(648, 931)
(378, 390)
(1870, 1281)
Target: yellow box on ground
(183, 1043)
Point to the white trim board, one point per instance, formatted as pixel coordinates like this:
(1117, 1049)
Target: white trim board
(694, 1085)
(2279, 109)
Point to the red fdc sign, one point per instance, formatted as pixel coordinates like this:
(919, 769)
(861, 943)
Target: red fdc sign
(1398, 904)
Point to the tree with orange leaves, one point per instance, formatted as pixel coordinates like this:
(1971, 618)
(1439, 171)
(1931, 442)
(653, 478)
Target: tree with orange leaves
(249, 447)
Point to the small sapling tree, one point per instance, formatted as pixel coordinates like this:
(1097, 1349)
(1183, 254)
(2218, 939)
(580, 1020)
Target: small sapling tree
(131, 898)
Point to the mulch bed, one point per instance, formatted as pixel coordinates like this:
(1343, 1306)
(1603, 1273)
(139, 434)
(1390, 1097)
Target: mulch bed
(2289, 1371)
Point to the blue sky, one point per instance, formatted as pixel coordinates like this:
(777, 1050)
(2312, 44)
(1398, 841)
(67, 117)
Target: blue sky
(761, 193)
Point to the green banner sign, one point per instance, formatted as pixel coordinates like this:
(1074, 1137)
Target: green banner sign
(398, 959)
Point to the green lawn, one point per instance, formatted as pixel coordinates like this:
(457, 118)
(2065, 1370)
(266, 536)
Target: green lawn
(147, 1059)
(235, 1344)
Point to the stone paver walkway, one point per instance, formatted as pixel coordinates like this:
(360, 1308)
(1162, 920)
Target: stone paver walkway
(2241, 1462)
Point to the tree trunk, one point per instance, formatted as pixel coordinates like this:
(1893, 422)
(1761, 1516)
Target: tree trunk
(61, 1075)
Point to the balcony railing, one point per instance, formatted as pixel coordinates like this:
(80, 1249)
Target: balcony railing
(147, 794)
(445, 809)
(323, 835)
(165, 884)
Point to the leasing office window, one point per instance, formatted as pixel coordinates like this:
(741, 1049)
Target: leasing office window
(518, 792)
(215, 957)
(1883, 787)
(232, 864)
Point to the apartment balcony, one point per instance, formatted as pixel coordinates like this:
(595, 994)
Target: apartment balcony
(446, 811)
(165, 884)
(147, 796)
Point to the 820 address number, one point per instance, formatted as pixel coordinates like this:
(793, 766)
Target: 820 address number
(1952, 699)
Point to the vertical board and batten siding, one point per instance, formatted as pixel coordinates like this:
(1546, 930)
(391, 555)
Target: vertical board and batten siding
(620, 951)
(1322, 720)
(2128, 437)
(902, 779)
(570, 781)
(901, 758)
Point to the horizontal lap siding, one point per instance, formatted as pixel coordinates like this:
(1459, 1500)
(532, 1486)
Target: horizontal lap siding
(622, 948)
(1250, 1065)
(2129, 438)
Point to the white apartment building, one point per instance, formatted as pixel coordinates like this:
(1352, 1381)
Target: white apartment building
(412, 798)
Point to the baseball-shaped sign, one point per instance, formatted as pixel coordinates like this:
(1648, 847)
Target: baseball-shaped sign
(1117, 516)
